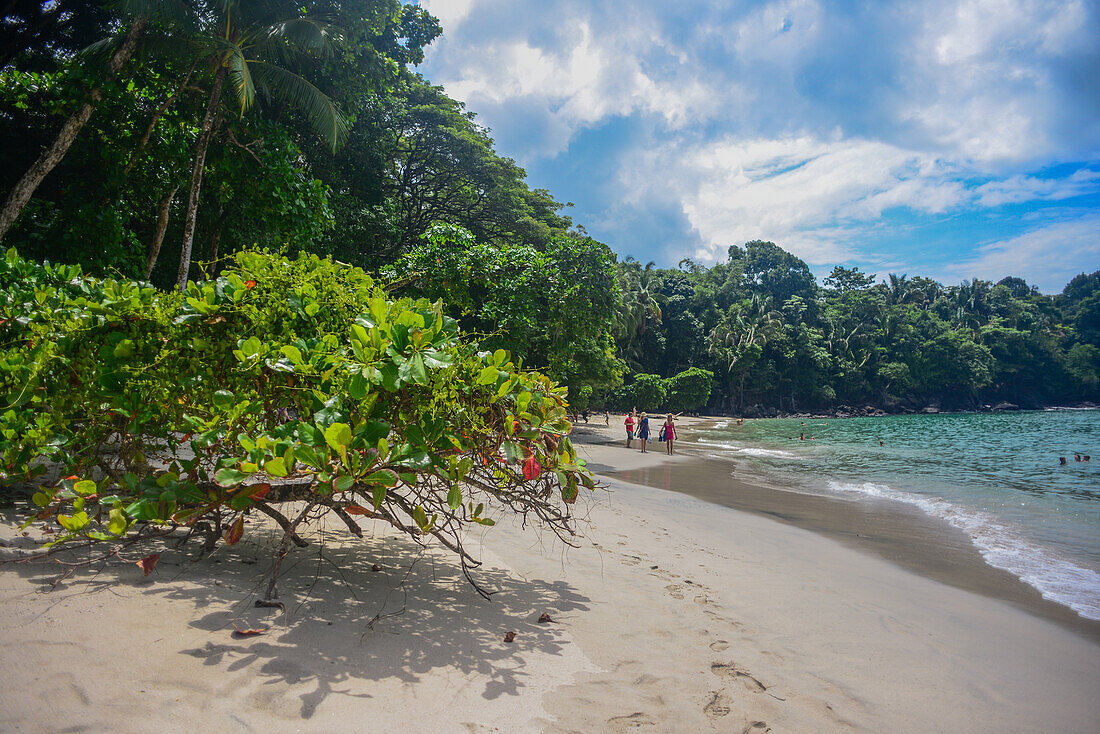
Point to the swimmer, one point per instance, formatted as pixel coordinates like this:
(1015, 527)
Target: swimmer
(1062, 460)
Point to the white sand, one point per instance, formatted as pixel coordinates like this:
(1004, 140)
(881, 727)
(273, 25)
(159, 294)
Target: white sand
(745, 625)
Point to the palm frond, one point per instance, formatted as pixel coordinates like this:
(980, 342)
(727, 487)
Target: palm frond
(241, 78)
(300, 34)
(288, 87)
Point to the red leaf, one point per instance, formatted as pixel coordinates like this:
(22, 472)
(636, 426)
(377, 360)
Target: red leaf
(250, 284)
(357, 510)
(148, 563)
(238, 632)
(531, 468)
(235, 531)
(260, 490)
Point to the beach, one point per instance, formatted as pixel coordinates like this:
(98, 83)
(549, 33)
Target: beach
(694, 600)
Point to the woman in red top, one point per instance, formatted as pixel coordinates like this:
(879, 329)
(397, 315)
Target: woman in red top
(629, 423)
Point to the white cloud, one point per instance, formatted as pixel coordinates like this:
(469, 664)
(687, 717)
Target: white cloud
(1047, 256)
(1021, 188)
(809, 194)
(451, 13)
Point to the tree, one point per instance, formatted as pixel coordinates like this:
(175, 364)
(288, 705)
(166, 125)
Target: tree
(293, 389)
(738, 340)
(848, 279)
(48, 160)
(238, 40)
(552, 306)
(688, 390)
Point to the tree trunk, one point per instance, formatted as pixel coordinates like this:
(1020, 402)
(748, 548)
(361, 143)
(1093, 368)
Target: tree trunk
(158, 237)
(212, 107)
(22, 191)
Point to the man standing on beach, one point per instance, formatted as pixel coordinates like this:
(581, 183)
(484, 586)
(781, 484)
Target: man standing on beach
(629, 423)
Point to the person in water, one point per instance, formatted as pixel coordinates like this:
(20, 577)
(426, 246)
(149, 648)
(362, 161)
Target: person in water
(629, 423)
(669, 429)
(643, 430)
(1062, 460)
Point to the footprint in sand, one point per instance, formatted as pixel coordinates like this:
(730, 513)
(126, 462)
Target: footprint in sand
(719, 646)
(718, 706)
(756, 727)
(674, 591)
(633, 721)
(731, 672)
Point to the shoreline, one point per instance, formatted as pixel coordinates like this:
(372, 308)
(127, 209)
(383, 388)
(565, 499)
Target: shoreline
(668, 613)
(901, 534)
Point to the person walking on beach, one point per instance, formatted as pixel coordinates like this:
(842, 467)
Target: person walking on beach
(629, 423)
(606, 418)
(670, 433)
(643, 430)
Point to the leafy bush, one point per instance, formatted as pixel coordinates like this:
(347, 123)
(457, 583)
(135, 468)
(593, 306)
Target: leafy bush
(646, 393)
(688, 390)
(281, 381)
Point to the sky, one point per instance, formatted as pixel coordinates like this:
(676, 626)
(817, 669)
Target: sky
(950, 139)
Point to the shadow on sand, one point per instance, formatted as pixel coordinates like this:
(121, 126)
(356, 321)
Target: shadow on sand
(343, 621)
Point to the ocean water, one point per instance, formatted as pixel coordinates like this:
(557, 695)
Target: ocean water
(995, 476)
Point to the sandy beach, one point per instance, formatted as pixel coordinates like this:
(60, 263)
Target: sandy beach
(695, 601)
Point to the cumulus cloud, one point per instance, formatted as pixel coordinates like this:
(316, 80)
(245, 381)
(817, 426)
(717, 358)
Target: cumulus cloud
(1047, 256)
(810, 194)
(801, 121)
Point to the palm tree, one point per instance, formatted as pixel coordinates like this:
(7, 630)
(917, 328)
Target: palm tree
(245, 43)
(640, 306)
(740, 336)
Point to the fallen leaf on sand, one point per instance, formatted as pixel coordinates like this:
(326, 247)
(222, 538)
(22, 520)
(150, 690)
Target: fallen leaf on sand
(545, 618)
(510, 637)
(376, 567)
(238, 632)
(148, 563)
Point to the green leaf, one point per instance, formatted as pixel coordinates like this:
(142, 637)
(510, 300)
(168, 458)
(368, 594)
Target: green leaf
(338, 436)
(124, 349)
(230, 477)
(417, 371)
(224, 399)
(454, 497)
(382, 477)
(488, 376)
(117, 523)
(41, 499)
(85, 487)
(343, 483)
(378, 495)
(358, 386)
(500, 357)
(74, 523)
(276, 467)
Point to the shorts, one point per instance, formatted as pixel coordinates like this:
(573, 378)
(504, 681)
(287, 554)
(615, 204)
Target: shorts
(629, 435)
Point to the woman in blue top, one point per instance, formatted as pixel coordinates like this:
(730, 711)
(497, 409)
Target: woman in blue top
(643, 430)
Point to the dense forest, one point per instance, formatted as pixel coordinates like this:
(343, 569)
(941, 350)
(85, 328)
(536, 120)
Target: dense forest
(157, 139)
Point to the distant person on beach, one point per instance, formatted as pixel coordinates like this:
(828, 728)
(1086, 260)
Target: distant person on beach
(740, 421)
(643, 431)
(607, 418)
(629, 423)
(670, 433)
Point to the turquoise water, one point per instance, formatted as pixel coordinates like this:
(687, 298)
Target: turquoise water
(996, 476)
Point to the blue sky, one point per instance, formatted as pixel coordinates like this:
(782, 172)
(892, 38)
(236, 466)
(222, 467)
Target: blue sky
(952, 139)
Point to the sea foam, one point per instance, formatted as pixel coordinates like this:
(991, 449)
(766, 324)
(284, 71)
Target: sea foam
(1057, 579)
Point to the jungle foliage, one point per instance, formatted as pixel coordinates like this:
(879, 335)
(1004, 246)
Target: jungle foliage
(776, 340)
